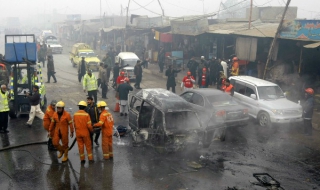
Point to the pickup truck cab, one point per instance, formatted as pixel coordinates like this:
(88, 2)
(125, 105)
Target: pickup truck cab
(80, 50)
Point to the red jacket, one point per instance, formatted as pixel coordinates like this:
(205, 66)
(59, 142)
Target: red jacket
(120, 79)
(187, 81)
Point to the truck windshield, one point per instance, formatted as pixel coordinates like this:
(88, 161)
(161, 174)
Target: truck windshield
(52, 42)
(270, 92)
(182, 120)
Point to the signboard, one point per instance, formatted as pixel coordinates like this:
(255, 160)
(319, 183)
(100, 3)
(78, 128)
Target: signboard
(143, 22)
(194, 27)
(75, 17)
(301, 29)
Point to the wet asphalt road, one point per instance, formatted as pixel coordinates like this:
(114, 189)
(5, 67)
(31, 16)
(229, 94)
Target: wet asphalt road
(247, 150)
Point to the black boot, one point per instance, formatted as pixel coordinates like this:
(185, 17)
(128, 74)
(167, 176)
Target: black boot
(50, 145)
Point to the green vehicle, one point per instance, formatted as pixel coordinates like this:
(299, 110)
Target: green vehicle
(25, 73)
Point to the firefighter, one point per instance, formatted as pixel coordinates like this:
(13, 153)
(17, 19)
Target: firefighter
(120, 78)
(47, 118)
(308, 111)
(83, 127)
(60, 122)
(187, 82)
(106, 124)
(222, 80)
(203, 81)
(228, 88)
(235, 67)
(90, 84)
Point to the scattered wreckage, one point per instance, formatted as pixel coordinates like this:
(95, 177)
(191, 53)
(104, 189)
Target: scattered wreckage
(161, 118)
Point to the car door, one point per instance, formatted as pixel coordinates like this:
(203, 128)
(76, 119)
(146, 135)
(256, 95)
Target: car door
(199, 104)
(249, 101)
(134, 110)
(239, 91)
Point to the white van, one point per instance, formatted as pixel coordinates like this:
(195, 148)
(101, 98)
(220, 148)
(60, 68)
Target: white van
(266, 101)
(130, 59)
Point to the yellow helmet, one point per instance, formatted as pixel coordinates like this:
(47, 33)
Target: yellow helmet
(102, 104)
(60, 104)
(82, 103)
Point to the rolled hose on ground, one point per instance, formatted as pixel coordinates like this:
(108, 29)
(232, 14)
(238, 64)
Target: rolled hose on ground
(33, 143)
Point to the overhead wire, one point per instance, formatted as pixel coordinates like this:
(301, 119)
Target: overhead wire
(143, 6)
(181, 7)
(146, 8)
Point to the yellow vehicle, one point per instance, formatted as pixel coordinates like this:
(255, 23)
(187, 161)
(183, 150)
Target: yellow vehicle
(80, 50)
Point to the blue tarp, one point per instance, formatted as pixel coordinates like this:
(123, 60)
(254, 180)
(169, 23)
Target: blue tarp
(14, 52)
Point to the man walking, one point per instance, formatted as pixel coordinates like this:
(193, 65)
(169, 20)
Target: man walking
(82, 69)
(138, 73)
(90, 85)
(171, 81)
(47, 118)
(83, 127)
(60, 122)
(161, 59)
(92, 110)
(308, 111)
(116, 71)
(187, 82)
(4, 109)
(192, 66)
(106, 124)
(35, 110)
(203, 81)
(123, 90)
(104, 81)
(107, 61)
(50, 70)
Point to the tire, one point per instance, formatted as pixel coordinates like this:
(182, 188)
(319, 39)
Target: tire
(12, 111)
(264, 119)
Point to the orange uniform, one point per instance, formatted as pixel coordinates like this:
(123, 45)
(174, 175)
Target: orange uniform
(106, 124)
(82, 125)
(60, 126)
(47, 119)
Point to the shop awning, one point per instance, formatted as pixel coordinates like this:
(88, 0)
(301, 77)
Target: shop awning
(112, 28)
(314, 45)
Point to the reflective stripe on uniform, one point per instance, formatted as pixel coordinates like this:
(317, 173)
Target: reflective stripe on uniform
(70, 121)
(89, 122)
(105, 154)
(82, 114)
(89, 154)
(101, 122)
(82, 155)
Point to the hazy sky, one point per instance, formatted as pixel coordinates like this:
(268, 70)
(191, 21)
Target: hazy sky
(306, 8)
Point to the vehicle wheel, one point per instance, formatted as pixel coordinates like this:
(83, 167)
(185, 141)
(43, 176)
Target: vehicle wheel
(264, 119)
(12, 111)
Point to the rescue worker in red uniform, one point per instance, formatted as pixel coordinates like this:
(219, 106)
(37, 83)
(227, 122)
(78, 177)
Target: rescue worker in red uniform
(203, 79)
(83, 127)
(47, 118)
(120, 78)
(60, 122)
(228, 88)
(106, 124)
(187, 82)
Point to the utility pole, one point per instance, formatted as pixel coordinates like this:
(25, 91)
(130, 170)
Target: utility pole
(270, 54)
(161, 8)
(250, 16)
(125, 31)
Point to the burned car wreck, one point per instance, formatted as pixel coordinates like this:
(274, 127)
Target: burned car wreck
(160, 118)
